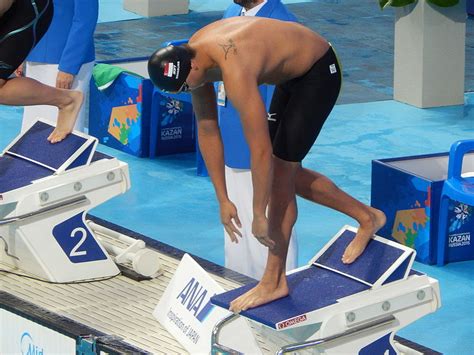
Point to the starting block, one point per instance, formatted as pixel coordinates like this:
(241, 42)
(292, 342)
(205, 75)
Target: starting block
(45, 192)
(338, 308)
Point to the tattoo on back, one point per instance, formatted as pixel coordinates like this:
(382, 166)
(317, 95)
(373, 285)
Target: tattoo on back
(229, 47)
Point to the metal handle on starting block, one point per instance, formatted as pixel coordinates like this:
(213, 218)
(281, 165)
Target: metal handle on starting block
(217, 348)
(72, 202)
(354, 331)
(144, 261)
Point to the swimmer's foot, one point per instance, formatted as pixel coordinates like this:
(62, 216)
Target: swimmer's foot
(365, 232)
(261, 294)
(67, 117)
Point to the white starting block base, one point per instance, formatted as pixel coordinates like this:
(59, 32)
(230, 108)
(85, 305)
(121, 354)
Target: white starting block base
(45, 192)
(334, 308)
(151, 8)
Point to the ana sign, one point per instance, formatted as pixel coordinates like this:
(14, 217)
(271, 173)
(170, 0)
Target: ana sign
(186, 312)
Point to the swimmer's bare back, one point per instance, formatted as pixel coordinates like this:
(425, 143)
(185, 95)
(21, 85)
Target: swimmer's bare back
(274, 51)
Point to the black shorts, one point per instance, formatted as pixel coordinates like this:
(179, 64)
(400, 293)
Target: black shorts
(300, 107)
(21, 28)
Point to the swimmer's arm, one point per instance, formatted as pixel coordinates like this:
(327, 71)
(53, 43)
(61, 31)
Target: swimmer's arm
(5, 6)
(210, 142)
(243, 91)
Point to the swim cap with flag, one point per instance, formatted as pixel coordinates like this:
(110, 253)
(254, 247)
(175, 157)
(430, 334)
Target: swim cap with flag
(169, 67)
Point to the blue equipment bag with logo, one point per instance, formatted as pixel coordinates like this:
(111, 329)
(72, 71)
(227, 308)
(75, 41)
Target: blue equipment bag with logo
(172, 127)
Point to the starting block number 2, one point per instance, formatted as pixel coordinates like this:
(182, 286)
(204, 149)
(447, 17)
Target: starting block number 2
(83, 236)
(77, 241)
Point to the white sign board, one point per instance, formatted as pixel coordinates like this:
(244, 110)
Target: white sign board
(185, 310)
(19, 335)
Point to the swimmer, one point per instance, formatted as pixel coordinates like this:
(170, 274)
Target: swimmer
(245, 52)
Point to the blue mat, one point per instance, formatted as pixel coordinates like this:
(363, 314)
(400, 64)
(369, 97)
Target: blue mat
(16, 173)
(369, 267)
(310, 289)
(325, 281)
(35, 146)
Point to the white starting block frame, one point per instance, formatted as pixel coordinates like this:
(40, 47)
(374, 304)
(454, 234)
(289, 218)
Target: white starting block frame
(335, 308)
(45, 192)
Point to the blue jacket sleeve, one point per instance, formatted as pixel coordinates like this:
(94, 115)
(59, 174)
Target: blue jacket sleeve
(81, 36)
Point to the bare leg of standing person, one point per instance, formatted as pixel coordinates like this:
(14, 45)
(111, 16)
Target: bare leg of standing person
(282, 216)
(26, 91)
(318, 188)
(282, 213)
(21, 28)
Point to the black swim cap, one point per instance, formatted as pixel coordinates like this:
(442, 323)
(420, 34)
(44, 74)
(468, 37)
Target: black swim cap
(169, 67)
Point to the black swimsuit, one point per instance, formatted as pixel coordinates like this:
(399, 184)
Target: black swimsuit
(300, 107)
(21, 28)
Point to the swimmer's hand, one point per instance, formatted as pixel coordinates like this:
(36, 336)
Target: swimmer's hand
(260, 231)
(230, 220)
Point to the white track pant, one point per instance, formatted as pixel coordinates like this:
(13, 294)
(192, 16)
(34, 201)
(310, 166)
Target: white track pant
(249, 256)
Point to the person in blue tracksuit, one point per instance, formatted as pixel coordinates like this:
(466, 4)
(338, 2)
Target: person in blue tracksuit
(65, 56)
(22, 25)
(247, 256)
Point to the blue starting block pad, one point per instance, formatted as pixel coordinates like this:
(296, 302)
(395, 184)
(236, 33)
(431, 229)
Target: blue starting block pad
(31, 156)
(12, 173)
(326, 280)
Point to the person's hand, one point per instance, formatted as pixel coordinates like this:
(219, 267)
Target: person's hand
(260, 231)
(230, 220)
(64, 80)
(19, 71)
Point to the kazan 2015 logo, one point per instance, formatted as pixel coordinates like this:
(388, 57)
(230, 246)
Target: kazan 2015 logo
(193, 297)
(462, 214)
